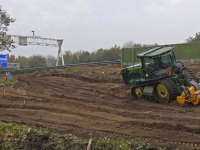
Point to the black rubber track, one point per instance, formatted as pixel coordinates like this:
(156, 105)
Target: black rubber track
(189, 74)
(171, 87)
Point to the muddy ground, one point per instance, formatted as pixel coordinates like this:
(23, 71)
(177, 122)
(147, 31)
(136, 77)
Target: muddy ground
(97, 105)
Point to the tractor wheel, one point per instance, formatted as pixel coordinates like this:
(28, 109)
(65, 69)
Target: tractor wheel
(137, 92)
(165, 90)
(189, 74)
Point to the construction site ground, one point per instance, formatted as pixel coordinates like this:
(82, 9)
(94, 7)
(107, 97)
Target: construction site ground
(93, 102)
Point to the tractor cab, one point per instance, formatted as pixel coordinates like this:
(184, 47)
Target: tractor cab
(155, 63)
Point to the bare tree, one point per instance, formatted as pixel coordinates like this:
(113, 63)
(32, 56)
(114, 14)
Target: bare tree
(51, 60)
(5, 20)
(131, 44)
(128, 44)
(196, 38)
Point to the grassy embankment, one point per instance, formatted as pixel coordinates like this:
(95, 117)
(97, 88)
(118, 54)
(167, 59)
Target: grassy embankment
(26, 137)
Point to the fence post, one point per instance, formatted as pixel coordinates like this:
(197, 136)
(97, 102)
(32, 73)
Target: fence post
(133, 61)
(121, 57)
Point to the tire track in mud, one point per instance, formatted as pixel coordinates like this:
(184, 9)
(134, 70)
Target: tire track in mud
(134, 115)
(99, 133)
(120, 112)
(141, 125)
(130, 106)
(90, 100)
(93, 117)
(77, 100)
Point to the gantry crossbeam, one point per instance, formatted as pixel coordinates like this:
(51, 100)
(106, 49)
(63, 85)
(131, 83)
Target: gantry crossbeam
(37, 40)
(33, 40)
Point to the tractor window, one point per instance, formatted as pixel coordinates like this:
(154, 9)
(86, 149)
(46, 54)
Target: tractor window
(159, 62)
(148, 61)
(165, 61)
(167, 58)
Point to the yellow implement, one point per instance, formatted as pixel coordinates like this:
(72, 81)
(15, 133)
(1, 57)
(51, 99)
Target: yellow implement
(190, 95)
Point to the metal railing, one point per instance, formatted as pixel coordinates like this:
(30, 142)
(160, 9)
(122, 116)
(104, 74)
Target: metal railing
(64, 66)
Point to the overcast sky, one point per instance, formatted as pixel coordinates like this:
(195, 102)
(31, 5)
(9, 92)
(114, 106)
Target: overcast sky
(92, 24)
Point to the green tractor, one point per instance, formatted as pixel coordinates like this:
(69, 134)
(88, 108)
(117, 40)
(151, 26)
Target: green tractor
(159, 77)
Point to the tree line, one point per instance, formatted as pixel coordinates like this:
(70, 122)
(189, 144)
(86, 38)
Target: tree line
(81, 56)
(69, 57)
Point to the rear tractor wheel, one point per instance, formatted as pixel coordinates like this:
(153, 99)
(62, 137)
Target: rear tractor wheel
(137, 92)
(165, 91)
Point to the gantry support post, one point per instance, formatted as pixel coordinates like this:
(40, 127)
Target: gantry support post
(60, 52)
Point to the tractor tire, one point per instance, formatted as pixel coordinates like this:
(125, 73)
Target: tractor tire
(165, 90)
(189, 74)
(137, 92)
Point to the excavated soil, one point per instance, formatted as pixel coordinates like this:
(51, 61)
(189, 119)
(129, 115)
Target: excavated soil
(95, 107)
